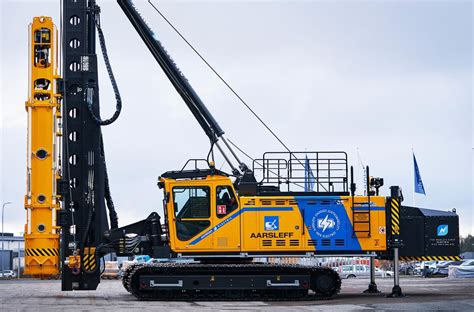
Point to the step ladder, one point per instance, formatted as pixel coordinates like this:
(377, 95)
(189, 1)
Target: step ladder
(361, 218)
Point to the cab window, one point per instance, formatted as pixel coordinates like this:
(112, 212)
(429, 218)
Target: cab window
(192, 210)
(191, 202)
(226, 201)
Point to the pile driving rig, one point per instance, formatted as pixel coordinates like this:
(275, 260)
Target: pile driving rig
(220, 221)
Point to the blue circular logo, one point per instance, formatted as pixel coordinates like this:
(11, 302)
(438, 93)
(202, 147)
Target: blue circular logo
(326, 223)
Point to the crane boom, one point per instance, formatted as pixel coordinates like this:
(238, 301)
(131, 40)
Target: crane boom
(176, 77)
(180, 82)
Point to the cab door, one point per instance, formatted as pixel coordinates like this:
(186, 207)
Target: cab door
(192, 217)
(226, 231)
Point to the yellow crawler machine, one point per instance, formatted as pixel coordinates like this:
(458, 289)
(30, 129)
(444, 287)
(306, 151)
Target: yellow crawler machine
(206, 216)
(215, 223)
(44, 114)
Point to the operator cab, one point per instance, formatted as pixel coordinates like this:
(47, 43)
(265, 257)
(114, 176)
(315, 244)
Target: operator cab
(197, 203)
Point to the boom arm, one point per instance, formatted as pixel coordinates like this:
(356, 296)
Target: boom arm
(179, 81)
(185, 90)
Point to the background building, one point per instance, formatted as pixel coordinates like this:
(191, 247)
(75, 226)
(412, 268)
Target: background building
(12, 253)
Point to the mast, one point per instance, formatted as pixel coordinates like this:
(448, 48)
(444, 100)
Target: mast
(83, 218)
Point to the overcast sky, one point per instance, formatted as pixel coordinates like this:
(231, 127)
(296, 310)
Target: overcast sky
(379, 76)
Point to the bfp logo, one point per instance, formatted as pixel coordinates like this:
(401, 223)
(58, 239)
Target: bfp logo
(271, 223)
(442, 230)
(326, 223)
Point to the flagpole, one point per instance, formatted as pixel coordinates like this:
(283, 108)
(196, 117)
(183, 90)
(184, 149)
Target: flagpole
(414, 185)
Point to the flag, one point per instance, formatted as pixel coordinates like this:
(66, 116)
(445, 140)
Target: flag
(308, 176)
(419, 188)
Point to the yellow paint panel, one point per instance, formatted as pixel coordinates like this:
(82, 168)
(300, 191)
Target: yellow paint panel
(275, 224)
(43, 109)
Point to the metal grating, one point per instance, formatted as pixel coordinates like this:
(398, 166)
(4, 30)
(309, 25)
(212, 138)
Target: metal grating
(294, 242)
(280, 242)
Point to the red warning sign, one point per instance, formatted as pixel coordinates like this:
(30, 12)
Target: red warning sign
(221, 209)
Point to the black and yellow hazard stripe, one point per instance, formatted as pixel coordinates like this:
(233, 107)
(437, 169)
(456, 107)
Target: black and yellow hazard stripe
(42, 252)
(431, 258)
(395, 216)
(89, 262)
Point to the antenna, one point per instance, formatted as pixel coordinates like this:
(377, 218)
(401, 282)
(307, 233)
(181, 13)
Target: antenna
(364, 171)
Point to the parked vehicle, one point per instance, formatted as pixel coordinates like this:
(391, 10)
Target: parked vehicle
(359, 270)
(381, 273)
(464, 270)
(142, 258)
(408, 269)
(7, 274)
(442, 269)
(427, 266)
(468, 262)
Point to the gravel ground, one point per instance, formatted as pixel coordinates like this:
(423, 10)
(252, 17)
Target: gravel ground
(435, 294)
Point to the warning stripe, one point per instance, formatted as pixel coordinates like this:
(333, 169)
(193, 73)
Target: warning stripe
(89, 260)
(395, 216)
(431, 258)
(42, 252)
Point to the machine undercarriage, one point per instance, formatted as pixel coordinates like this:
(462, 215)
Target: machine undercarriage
(254, 281)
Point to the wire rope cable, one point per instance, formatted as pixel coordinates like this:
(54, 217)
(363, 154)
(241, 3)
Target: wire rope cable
(227, 85)
(219, 76)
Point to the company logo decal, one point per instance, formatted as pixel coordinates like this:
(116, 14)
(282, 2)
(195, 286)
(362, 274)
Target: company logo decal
(326, 223)
(442, 230)
(271, 223)
(272, 235)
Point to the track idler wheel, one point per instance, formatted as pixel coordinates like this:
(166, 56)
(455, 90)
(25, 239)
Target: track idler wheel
(126, 276)
(325, 282)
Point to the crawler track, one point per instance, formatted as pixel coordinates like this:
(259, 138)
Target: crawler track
(324, 282)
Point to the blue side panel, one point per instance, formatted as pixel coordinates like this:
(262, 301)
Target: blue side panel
(327, 223)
